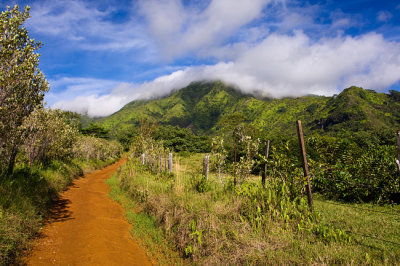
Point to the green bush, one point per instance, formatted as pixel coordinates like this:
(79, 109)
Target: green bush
(343, 170)
(199, 183)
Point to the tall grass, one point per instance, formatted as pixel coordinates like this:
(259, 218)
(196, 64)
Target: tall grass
(210, 223)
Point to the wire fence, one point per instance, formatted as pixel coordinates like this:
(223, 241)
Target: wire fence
(375, 238)
(397, 214)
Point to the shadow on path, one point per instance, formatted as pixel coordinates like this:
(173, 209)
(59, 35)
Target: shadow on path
(60, 211)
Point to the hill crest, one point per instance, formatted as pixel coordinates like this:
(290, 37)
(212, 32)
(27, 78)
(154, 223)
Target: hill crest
(201, 105)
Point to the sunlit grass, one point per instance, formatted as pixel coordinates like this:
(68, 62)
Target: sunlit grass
(145, 227)
(211, 227)
(375, 229)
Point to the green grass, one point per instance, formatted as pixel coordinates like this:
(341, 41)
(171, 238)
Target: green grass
(375, 229)
(27, 196)
(145, 227)
(222, 226)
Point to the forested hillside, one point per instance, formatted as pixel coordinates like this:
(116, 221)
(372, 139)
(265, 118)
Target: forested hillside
(210, 107)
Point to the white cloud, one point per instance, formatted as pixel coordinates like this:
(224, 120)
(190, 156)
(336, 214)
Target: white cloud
(252, 51)
(178, 29)
(93, 105)
(68, 88)
(88, 95)
(281, 65)
(384, 16)
(85, 25)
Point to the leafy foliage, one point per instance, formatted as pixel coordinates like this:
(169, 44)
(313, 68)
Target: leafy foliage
(91, 148)
(344, 170)
(95, 130)
(182, 139)
(22, 85)
(50, 136)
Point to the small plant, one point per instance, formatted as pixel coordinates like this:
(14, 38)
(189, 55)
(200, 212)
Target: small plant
(200, 183)
(165, 175)
(246, 163)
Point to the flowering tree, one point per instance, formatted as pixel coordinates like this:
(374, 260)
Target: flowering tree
(50, 135)
(22, 85)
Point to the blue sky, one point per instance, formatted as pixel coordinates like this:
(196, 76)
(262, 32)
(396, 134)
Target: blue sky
(100, 55)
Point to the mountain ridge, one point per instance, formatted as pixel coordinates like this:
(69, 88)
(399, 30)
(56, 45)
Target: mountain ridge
(202, 105)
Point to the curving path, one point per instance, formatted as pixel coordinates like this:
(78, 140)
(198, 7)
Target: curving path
(87, 228)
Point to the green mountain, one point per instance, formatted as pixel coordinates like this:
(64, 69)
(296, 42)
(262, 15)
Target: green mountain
(198, 106)
(209, 107)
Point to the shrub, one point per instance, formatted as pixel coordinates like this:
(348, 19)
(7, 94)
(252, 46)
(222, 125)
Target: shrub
(91, 148)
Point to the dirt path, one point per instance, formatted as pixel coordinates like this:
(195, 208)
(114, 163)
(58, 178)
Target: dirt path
(87, 228)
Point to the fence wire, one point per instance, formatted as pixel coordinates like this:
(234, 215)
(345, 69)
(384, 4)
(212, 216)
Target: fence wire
(376, 238)
(395, 213)
(364, 209)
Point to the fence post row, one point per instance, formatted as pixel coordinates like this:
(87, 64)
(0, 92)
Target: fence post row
(305, 165)
(205, 165)
(170, 162)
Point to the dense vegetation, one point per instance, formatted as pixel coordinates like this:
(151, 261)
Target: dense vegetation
(203, 106)
(229, 217)
(42, 150)
(212, 220)
(350, 137)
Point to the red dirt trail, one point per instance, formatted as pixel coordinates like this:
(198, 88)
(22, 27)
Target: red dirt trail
(87, 228)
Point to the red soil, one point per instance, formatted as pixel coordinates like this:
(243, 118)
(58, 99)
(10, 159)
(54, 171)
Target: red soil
(87, 228)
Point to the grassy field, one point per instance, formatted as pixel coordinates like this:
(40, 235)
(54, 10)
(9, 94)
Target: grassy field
(26, 197)
(207, 222)
(375, 229)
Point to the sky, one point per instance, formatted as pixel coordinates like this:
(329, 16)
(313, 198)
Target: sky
(99, 55)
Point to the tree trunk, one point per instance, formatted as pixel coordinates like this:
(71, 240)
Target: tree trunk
(11, 162)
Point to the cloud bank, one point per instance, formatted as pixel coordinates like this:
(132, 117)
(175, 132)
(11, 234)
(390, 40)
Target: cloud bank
(273, 47)
(86, 26)
(279, 66)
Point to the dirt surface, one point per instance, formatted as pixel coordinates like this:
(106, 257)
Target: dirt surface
(87, 228)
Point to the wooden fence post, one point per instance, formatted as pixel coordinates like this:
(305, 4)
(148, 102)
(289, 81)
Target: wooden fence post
(234, 167)
(264, 174)
(305, 165)
(170, 162)
(160, 159)
(166, 163)
(398, 153)
(143, 158)
(205, 165)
